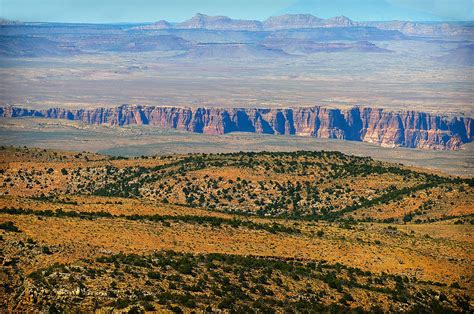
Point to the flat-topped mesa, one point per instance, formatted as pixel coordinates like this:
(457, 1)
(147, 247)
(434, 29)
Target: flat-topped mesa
(378, 126)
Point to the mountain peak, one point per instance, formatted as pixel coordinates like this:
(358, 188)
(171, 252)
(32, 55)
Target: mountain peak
(340, 18)
(340, 21)
(289, 21)
(292, 21)
(219, 22)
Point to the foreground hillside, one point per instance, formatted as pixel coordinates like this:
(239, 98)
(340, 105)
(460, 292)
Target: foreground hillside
(294, 232)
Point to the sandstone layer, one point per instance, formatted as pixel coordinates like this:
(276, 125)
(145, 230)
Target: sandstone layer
(379, 126)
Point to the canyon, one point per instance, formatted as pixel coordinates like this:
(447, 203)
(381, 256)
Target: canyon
(412, 129)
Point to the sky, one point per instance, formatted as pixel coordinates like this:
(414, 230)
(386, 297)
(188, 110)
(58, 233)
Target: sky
(113, 11)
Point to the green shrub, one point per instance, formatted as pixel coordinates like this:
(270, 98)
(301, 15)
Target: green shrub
(9, 226)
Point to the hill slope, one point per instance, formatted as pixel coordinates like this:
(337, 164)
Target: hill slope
(83, 232)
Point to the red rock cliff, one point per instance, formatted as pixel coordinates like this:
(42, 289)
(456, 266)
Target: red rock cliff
(383, 127)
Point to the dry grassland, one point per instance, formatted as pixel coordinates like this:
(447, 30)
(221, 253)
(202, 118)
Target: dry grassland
(68, 246)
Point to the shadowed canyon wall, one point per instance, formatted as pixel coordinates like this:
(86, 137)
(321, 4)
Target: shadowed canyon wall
(383, 127)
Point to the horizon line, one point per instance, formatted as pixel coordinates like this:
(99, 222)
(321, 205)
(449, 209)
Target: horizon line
(4, 20)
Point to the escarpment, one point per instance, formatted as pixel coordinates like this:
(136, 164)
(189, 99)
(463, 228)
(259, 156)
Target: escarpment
(378, 126)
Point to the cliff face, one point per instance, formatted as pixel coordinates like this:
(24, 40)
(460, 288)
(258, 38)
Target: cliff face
(386, 128)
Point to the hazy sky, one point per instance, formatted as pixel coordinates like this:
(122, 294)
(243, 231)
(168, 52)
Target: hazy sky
(107, 11)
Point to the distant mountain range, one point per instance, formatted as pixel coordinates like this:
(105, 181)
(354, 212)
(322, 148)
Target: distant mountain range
(219, 23)
(220, 37)
(287, 21)
(302, 21)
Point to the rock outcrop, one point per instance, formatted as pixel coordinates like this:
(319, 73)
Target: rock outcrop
(308, 21)
(292, 21)
(203, 21)
(378, 126)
